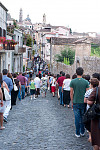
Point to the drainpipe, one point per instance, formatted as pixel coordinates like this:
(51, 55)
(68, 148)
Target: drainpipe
(50, 54)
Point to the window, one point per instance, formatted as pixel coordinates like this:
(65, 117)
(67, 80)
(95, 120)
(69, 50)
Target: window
(4, 33)
(0, 31)
(9, 54)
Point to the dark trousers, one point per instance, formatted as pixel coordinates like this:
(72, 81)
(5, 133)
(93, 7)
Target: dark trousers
(13, 97)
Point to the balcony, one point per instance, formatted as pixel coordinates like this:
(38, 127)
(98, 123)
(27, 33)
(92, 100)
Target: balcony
(9, 46)
(6, 47)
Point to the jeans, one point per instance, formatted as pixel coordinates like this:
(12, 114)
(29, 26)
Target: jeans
(23, 91)
(19, 95)
(61, 95)
(79, 110)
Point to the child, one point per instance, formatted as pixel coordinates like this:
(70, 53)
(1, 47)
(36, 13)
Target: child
(32, 88)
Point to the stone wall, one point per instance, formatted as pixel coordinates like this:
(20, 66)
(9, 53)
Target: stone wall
(83, 59)
(90, 65)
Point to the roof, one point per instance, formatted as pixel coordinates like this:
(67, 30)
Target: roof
(48, 38)
(3, 7)
(45, 30)
(64, 41)
(80, 34)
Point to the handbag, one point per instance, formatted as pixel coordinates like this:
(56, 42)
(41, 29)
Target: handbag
(93, 112)
(6, 94)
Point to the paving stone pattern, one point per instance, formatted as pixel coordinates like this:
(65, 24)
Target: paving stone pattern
(41, 124)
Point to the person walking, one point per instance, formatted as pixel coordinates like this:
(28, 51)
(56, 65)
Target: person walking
(2, 100)
(53, 85)
(32, 88)
(60, 83)
(44, 85)
(37, 84)
(22, 80)
(14, 92)
(95, 123)
(93, 83)
(9, 83)
(66, 90)
(78, 87)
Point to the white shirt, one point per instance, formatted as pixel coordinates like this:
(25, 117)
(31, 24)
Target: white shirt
(53, 82)
(66, 83)
(37, 82)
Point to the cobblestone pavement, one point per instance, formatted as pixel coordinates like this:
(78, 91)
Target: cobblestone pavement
(41, 124)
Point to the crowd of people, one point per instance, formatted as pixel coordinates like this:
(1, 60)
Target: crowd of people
(78, 93)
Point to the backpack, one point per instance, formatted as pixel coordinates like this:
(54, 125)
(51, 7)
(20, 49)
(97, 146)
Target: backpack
(15, 86)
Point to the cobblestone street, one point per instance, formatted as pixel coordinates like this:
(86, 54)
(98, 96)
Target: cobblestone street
(41, 124)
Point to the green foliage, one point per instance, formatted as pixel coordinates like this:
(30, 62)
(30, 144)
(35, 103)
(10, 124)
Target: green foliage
(67, 56)
(95, 50)
(23, 68)
(15, 24)
(33, 52)
(29, 41)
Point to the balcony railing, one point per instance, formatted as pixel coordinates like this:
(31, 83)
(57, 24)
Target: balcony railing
(9, 46)
(19, 49)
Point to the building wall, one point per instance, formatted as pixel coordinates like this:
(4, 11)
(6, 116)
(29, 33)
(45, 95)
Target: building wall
(18, 57)
(3, 19)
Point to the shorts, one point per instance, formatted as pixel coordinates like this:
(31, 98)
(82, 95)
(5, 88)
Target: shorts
(32, 91)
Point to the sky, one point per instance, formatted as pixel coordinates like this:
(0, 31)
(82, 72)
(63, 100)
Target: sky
(79, 15)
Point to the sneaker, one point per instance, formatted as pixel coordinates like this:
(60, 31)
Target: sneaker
(31, 98)
(82, 134)
(34, 98)
(77, 135)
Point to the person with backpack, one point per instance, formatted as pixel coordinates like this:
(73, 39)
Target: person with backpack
(14, 92)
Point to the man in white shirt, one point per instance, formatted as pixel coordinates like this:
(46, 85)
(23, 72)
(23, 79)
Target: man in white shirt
(37, 83)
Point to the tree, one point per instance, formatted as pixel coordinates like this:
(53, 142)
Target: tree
(29, 41)
(67, 56)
